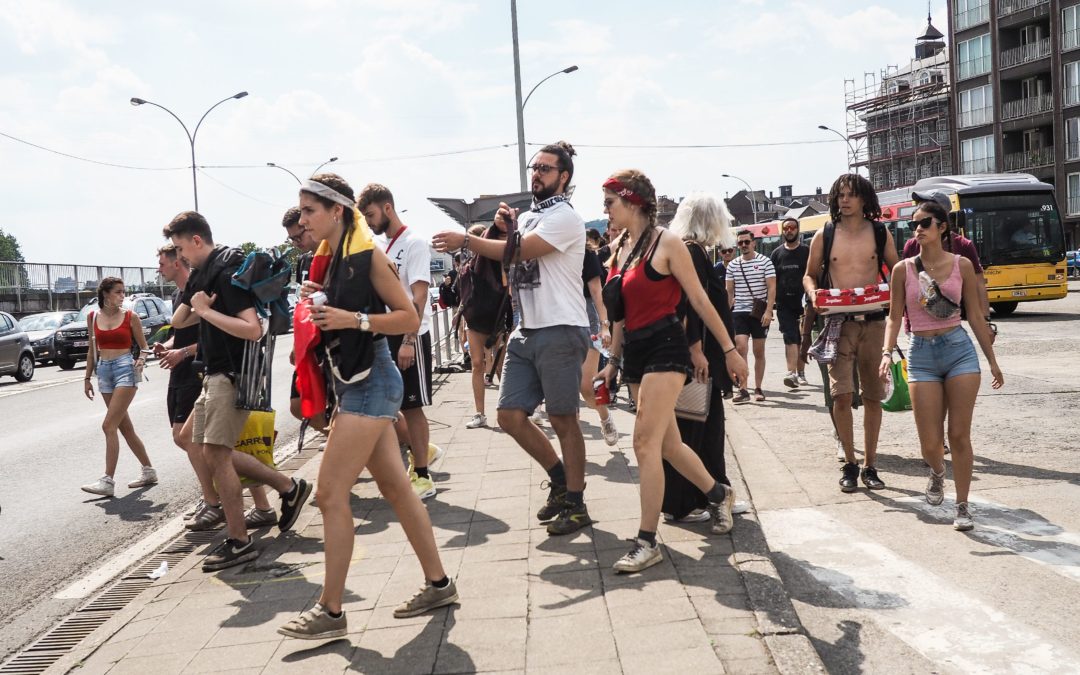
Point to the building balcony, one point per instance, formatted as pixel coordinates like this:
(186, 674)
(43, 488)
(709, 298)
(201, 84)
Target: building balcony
(976, 117)
(1030, 159)
(973, 67)
(1025, 53)
(1026, 107)
(1070, 39)
(983, 165)
(972, 17)
(1007, 7)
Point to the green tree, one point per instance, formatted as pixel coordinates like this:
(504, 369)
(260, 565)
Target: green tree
(249, 246)
(9, 248)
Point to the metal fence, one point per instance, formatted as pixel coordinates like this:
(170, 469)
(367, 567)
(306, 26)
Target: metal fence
(445, 343)
(26, 288)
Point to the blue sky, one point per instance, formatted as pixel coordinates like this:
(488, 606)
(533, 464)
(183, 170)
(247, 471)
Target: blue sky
(378, 83)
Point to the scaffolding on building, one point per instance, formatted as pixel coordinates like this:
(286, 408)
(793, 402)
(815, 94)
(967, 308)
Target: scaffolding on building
(898, 122)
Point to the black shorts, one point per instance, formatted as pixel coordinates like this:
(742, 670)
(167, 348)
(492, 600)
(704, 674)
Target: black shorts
(417, 378)
(181, 401)
(747, 325)
(790, 319)
(656, 349)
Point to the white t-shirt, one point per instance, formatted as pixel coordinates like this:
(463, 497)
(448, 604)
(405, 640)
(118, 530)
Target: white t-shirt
(753, 284)
(412, 256)
(548, 289)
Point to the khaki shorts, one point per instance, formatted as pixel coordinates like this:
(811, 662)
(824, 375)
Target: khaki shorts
(216, 420)
(860, 343)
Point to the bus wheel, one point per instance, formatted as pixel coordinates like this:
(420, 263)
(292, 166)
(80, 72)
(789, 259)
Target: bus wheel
(1004, 308)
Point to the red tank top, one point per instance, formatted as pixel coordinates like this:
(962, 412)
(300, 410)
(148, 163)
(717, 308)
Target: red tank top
(648, 295)
(117, 338)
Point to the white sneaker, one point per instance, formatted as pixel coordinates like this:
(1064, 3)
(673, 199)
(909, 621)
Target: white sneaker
(740, 507)
(695, 516)
(478, 420)
(790, 380)
(801, 377)
(641, 557)
(963, 521)
(435, 453)
(611, 434)
(104, 486)
(538, 417)
(148, 477)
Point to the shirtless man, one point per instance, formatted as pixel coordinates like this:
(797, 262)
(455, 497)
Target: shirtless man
(854, 263)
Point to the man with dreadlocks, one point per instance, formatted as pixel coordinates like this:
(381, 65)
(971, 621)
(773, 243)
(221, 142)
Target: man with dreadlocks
(848, 253)
(546, 350)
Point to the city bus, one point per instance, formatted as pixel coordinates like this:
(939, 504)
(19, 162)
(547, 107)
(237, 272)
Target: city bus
(1011, 218)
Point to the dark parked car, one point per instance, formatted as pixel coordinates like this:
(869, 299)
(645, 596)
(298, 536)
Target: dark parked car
(42, 329)
(16, 354)
(72, 341)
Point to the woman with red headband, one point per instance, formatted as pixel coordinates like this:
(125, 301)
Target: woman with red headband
(651, 269)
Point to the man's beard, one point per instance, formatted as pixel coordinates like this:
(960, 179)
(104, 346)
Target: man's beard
(379, 228)
(544, 191)
(790, 237)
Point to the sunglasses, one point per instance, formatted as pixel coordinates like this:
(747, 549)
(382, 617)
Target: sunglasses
(608, 202)
(543, 168)
(791, 228)
(924, 223)
(745, 242)
(727, 250)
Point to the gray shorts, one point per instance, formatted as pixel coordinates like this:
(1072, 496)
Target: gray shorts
(544, 364)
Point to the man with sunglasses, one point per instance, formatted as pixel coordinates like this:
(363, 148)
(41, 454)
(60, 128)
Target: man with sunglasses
(790, 263)
(751, 277)
(545, 352)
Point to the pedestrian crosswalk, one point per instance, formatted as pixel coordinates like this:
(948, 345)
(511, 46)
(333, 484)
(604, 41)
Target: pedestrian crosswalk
(947, 621)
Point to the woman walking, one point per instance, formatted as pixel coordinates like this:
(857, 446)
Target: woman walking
(654, 269)
(363, 301)
(702, 221)
(112, 331)
(943, 368)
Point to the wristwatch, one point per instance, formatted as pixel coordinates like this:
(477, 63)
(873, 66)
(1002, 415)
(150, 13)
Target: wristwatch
(362, 322)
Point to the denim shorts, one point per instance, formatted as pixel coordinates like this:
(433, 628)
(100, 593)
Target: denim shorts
(937, 358)
(377, 395)
(118, 372)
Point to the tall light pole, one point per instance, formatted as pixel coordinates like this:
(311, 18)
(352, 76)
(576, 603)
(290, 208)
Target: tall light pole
(191, 135)
(847, 140)
(749, 194)
(329, 161)
(297, 178)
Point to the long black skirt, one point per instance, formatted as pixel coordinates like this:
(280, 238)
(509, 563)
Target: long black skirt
(707, 440)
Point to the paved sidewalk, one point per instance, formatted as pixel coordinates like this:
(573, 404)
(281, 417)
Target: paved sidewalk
(529, 602)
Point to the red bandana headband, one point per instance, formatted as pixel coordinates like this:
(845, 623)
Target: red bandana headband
(626, 193)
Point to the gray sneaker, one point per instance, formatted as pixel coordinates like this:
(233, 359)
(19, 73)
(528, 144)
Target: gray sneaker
(315, 624)
(206, 519)
(256, 518)
(427, 599)
(803, 382)
(963, 521)
(935, 488)
(643, 556)
(722, 520)
(611, 434)
(190, 513)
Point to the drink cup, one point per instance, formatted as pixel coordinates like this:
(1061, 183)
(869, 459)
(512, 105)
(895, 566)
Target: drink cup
(601, 392)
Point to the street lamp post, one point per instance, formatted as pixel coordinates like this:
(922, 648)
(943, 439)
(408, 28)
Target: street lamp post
(329, 161)
(297, 178)
(191, 135)
(749, 194)
(847, 140)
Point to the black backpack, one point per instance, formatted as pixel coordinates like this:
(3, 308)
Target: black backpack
(828, 233)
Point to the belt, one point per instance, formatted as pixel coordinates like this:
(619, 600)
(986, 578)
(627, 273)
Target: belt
(872, 316)
(651, 329)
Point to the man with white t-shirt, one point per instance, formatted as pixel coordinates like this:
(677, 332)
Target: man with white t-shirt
(751, 279)
(545, 352)
(411, 254)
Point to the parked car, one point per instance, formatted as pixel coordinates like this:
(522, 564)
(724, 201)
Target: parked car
(16, 353)
(1072, 261)
(72, 341)
(42, 330)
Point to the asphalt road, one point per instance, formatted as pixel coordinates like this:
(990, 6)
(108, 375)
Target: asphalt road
(52, 533)
(881, 581)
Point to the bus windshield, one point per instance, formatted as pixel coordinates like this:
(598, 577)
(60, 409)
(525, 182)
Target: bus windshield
(1010, 229)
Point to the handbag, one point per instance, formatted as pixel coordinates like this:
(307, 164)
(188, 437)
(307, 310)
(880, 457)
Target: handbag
(897, 396)
(757, 309)
(612, 291)
(257, 440)
(694, 400)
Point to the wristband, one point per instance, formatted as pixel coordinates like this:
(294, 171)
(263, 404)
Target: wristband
(728, 351)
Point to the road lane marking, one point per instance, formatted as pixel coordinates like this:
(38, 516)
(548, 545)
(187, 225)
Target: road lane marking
(133, 554)
(28, 387)
(929, 613)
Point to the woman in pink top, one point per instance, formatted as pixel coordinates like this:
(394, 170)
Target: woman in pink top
(943, 368)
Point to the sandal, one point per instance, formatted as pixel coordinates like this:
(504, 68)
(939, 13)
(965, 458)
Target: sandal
(759, 395)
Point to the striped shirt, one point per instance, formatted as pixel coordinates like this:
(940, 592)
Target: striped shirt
(757, 270)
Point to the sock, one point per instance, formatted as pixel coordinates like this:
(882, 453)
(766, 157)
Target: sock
(717, 493)
(335, 615)
(649, 537)
(421, 471)
(441, 583)
(576, 498)
(557, 474)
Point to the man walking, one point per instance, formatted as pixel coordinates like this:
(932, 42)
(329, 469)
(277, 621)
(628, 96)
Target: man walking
(546, 350)
(226, 318)
(848, 253)
(412, 353)
(751, 287)
(789, 260)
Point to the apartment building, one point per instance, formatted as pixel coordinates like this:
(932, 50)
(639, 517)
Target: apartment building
(1016, 80)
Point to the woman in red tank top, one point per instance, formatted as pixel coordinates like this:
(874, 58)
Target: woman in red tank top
(649, 345)
(112, 329)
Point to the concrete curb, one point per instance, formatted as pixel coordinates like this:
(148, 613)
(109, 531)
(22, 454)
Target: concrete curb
(778, 622)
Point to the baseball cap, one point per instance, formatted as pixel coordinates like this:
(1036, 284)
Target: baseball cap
(933, 196)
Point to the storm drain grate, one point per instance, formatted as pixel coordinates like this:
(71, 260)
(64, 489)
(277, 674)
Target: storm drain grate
(70, 632)
(31, 663)
(118, 595)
